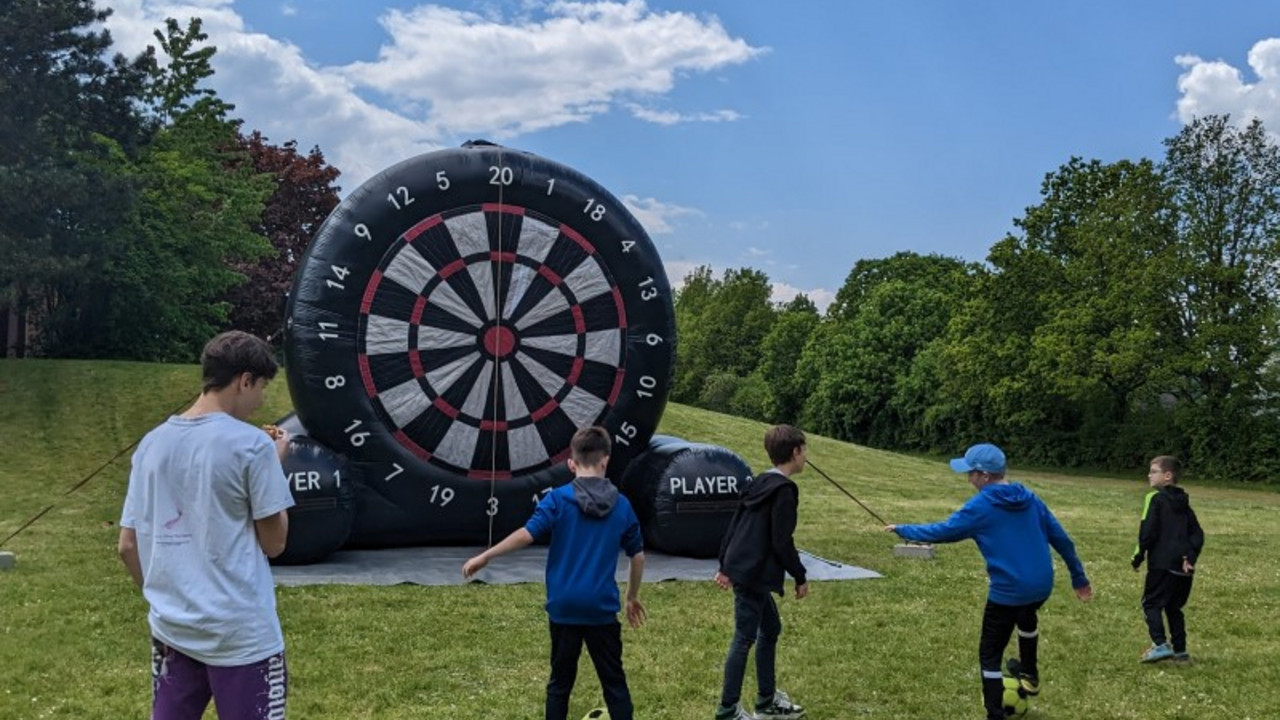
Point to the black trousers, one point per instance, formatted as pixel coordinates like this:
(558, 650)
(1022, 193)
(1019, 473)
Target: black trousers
(1163, 595)
(998, 622)
(604, 644)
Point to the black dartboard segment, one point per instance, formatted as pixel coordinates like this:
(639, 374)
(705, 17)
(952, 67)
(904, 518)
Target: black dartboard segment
(456, 319)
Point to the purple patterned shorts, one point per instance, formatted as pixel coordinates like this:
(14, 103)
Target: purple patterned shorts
(182, 687)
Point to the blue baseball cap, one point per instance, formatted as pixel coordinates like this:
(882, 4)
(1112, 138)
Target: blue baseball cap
(983, 458)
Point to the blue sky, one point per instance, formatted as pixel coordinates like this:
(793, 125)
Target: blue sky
(794, 138)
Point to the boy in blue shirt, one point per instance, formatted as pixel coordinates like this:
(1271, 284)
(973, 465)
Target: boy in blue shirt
(1014, 530)
(587, 521)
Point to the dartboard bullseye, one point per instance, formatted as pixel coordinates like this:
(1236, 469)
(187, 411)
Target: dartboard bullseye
(456, 319)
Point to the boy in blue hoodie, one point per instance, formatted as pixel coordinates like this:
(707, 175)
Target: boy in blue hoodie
(588, 522)
(1014, 531)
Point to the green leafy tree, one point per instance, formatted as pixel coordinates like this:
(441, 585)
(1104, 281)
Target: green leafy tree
(1225, 187)
(779, 395)
(172, 263)
(302, 197)
(888, 311)
(720, 323)
(65, 111)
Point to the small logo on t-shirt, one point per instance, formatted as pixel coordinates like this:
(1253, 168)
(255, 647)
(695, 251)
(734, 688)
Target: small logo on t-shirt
(168, 524)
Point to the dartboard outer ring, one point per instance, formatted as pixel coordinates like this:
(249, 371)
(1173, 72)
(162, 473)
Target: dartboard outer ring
(453, 373)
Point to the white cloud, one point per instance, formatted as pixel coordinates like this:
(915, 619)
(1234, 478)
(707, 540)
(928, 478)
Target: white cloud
(446, 73)
(502, 77)
(655, 216)
(757, 252)
(821, 297)
(288, 10)
(678, 270)
(671, 117)
(1214, 87)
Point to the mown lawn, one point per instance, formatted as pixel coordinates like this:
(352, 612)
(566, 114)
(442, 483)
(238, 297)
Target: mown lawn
(73, 637)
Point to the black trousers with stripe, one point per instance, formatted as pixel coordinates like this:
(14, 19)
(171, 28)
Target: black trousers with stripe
(998, 623)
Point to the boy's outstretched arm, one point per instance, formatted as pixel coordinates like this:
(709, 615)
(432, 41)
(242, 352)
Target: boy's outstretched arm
(636, 614)
(516, 540)
(960, 526)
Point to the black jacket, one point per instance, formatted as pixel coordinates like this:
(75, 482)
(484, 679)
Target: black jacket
(758, 547)
(1169, 531)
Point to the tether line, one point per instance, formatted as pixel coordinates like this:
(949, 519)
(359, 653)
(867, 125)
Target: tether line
(491, 510)
(90, 476)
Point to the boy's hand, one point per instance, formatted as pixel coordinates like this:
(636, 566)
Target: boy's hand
(722, 580)
(1187, 567)
(891, 528)
(636, 614)
(802, 591)
(1085, 593)
(474, 565)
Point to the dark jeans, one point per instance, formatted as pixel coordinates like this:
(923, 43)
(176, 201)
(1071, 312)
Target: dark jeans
(755, 621)
(1165, 593)
(998, 622)
(604, 644)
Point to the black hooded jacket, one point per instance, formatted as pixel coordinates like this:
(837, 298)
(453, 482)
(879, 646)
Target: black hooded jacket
(1169, 531)
(758, 548)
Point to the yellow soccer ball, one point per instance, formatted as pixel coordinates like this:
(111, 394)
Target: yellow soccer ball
(1015, 699)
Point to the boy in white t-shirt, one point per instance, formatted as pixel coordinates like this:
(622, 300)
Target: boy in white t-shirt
(206, 507)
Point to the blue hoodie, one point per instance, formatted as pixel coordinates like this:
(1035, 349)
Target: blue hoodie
(1013, 529)
(588, 522)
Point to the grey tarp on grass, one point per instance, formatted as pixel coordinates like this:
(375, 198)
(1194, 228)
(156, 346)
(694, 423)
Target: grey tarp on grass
(443, 566)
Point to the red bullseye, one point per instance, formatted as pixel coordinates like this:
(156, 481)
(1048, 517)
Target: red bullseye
(499, 341)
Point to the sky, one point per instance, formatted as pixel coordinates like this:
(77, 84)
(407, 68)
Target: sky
(795, 138)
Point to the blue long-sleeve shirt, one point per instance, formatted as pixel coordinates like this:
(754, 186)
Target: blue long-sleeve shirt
(1014, 530)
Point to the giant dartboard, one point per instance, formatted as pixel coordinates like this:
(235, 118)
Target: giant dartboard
(456, 319)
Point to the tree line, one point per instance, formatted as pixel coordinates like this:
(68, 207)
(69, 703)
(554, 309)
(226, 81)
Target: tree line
(137, 218)
(1132, 312)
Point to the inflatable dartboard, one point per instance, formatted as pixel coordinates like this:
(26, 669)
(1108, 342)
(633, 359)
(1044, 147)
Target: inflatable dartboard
(685, 494)
(456, 319)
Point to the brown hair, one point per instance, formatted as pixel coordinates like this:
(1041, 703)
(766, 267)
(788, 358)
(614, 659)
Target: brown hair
(1169, 464)
(781, 441)
(231, 354)
(590, 446)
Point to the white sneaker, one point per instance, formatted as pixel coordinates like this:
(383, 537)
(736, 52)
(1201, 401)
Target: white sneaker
(779, 707)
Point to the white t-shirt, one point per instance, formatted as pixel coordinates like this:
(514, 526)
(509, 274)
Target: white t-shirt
(196, 487)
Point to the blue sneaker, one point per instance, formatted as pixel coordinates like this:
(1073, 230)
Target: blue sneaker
(1156, 653)
(1181, 657)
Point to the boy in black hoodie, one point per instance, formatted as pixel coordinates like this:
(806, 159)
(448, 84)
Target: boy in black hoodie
(1170, 539)
(755, 552)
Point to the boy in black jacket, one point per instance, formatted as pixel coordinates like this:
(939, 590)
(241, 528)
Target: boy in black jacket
(755, 552)
(1170, 539)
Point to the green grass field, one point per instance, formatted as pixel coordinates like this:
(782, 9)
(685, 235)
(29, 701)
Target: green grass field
(73, 634)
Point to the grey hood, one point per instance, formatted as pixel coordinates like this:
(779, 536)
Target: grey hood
(595, 495)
